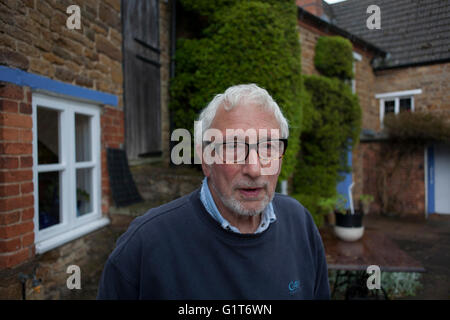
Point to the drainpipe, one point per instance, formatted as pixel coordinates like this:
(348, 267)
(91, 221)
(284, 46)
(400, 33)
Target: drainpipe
(352, 210)
(35, 282)
(284, 187)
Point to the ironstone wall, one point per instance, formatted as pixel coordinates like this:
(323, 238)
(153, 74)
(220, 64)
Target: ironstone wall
(34, 38)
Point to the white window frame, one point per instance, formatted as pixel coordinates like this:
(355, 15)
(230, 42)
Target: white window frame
(70, 226)
(395, 96)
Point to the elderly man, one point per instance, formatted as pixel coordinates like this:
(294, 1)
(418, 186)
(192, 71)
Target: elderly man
(233, 238)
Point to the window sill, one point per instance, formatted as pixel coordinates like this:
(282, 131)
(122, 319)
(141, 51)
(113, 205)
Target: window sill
(49, 244)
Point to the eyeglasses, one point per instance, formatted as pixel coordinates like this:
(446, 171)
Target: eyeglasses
(237, 152)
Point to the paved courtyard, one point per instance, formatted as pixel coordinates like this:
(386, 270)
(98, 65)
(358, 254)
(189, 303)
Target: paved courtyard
(427, 241)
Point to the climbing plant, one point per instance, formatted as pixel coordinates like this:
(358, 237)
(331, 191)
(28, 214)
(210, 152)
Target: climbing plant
(334, 124)
(244, 42)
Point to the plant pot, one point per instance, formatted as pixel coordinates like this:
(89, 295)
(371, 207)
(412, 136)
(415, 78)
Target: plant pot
(349, 227)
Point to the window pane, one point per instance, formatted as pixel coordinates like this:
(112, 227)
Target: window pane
(48, 135)
(405, 104)
(49, 200)
(389, 106)
(84, 191)
(83, 137)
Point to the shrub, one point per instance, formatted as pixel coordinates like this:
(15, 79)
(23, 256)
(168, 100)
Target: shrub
(334, 57)
(311, 203)
(417, 127)
(246, 42)
(334, 127)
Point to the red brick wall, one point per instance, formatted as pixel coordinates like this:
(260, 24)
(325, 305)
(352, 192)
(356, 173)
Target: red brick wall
(408, 182)
(16, 176)
(16, 170)
(434, 80)
(312, 6)
(34, 38)
(397, 183)
(113, 135)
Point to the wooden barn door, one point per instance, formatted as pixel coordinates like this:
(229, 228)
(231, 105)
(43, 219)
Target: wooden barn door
(141, 78)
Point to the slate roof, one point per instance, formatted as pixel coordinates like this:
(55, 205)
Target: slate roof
(325, 23)
(412, 31)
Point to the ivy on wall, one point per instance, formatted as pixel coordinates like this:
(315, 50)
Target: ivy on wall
(257, 42)
(333, 125)
(244, 42)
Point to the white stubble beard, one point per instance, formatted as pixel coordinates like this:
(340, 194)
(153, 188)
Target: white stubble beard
(236, 206)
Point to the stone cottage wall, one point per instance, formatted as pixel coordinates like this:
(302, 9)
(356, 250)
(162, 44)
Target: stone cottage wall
(406, 187)
(434, 80)
(396, 181)
(34, 38)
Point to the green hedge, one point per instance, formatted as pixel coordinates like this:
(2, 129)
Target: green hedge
(246, 42)
(335, 124)
(310, 202)
(334, 57)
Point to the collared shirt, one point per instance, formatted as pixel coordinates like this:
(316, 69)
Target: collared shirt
(267, 216)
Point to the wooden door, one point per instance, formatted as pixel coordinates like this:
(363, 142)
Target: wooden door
(142, 106)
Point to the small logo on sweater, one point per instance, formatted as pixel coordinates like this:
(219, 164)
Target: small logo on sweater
(294, 286)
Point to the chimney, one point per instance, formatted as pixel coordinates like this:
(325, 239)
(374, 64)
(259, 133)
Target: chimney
(312, 6)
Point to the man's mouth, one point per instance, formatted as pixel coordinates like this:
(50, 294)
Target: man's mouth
(250, 192)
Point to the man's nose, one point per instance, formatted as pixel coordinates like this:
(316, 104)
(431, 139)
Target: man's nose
(252, 166)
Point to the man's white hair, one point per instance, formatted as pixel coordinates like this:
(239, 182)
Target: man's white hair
(235, 96)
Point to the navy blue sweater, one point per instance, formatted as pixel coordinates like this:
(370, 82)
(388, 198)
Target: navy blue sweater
(178, 251)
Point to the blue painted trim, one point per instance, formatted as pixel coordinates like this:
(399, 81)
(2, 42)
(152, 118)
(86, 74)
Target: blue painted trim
(431, 181)
(35, 81)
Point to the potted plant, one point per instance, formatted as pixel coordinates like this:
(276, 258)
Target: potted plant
(365, 200)
(328, 205)
(349, 226)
